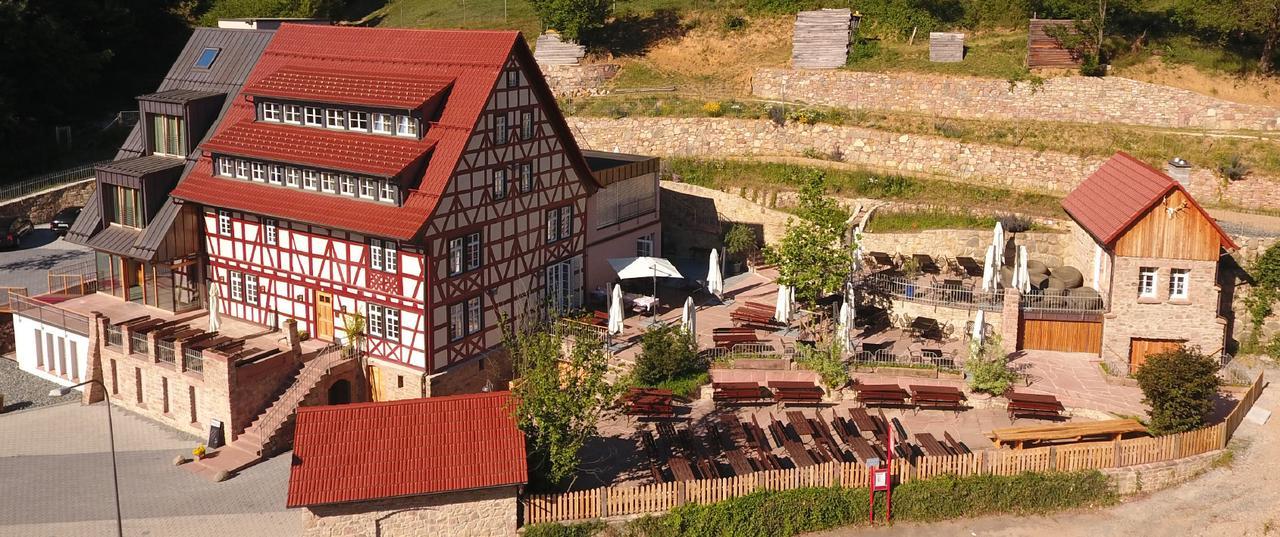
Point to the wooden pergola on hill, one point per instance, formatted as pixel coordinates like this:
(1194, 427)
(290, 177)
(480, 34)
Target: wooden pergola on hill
(1073, 432)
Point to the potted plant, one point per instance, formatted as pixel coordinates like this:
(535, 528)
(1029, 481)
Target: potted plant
(740, 244)
(910, 271)
(199, 451)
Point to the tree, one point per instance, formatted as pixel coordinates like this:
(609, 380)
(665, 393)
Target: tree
(811, 257)
(1180, 386)
(576, 20)
(1240, 20)
(228, 9)
(667, 352)
(560, 392)
(740, 241)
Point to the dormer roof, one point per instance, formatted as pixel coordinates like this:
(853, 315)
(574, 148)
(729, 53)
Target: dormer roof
(385, 89)
(381, 156)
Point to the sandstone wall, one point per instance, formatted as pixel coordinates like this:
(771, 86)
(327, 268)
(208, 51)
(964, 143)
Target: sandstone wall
(690, 212)
(479, 513)
(1160, 475)
(1194, 319)
(577, 80)
(41, 206)
(1072, 98)
(985, 165)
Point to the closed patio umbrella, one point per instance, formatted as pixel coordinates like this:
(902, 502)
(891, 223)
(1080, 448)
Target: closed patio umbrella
(615, 311)
(715, 280)
(214, 295)
(1024, 277)
(979, 321)
(782, 311)
(689, 317)
(989, 269)
(997, 239)
(846, 319)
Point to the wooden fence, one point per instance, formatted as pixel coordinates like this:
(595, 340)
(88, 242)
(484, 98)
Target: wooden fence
(657, 498)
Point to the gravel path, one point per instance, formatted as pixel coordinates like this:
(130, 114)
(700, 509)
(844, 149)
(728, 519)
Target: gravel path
(23, 390)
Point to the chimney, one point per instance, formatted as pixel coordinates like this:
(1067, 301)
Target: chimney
(1179, 170)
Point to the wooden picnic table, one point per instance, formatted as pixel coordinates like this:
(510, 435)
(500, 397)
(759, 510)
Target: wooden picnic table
(798, 453)
(739, 462)
(1019, 436)
(681, 469)
(863, 450)
(799, 423)
(862, 420)
(932, 447)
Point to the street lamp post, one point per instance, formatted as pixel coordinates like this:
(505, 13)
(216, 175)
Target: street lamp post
(111, 435)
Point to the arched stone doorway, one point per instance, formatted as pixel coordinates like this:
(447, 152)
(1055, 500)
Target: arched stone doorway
(340, 392)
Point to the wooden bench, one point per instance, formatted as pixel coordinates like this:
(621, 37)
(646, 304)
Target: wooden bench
(796, 392)
(931, 446)
(926, 397)
(1036, 406)
(740, 393)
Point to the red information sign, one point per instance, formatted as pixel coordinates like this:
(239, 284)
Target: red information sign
(881, 481)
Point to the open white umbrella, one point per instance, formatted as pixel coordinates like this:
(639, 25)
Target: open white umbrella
(615, 311)
(1024, 277)
(997, 239)
(989, 269)
(689, 317)
(782, 311)
(645, 267)
(715, 281)
(214, 297)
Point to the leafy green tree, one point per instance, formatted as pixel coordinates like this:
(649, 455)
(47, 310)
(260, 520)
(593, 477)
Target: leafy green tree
(815, 206)
(576, 20)
(231, 9)
(811, 257)
(988, 367)
(667, 352)
(560, 391)
(1180, 386)
(740, 241)
(1239, 20)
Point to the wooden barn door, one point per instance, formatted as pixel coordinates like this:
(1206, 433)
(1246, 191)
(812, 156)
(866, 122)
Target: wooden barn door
(324, 316)
(1140, 349)
(1064, 336)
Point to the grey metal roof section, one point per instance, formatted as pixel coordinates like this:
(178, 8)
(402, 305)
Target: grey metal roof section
(115, 239)
(140, 166)
(146, 245)
(179, 96)
(88, 223)
(603, 160)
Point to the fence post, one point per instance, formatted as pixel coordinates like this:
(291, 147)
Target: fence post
(682, 493)
(604, 502)
(1115, 450)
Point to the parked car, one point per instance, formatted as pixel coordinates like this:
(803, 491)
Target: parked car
(63, 220)
(13, 229)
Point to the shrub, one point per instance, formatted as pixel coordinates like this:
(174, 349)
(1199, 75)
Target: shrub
(667, 352)
(778, 115)
(988, 368)
(741, 240)
(552, 529)
(1014, 223)
(1235, 169)
(1180, 387)
(733, 22)
(688, 385)
(712, 108)
(827, 362)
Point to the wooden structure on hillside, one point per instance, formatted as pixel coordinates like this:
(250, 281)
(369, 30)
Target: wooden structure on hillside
(821, 39)
(549, 49)
(1045, 51)
(946, 47)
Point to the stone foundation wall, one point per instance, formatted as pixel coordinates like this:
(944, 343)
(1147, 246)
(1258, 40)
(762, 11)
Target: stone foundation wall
(493, 369)
(1071, 98)
(1194, 319)
(41, 207)
(983, 165)
(480, 513)
(578, 80)
(1160, 475)
(1049, 247)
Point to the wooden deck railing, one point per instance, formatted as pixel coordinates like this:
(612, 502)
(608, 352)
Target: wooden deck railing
(6, 297)
(656, 498)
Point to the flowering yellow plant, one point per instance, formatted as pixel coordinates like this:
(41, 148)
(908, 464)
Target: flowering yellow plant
(198, 451)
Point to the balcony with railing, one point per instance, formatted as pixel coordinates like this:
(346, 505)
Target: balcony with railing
(1081, 304)
(959, 293)
(49, 314)
(139, 344)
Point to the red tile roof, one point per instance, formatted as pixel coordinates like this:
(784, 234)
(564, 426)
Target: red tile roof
(383, 156)
(1120, 193)
(473, 60)
(367, 451)
(374, 89)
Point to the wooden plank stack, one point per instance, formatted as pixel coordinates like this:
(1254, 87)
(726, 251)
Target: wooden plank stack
(821, 39)
(1045, 51)
(946, 47)
(550, 50)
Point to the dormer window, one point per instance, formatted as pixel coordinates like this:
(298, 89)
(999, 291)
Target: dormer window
(258, 171)
(382, 123)
(226, 167)
(168, 135)
(291, 177)
(387, 191)
(335, 119)
(348, 185)
(276, 175)
(271, 112)
(327, 182)
(309, 179)
(406, 126)
(358, 121)
(366, 188)
(292, 114)
(242, 169)
(311, 116)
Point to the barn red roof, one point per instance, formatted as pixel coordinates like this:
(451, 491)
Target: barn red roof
(472, 60)
(374, 89)
(368, 451)
(1120, 193)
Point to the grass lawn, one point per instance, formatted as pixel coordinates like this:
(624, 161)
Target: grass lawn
(894, 221)
(991, 55)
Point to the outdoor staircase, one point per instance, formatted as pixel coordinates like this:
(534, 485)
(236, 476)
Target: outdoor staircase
(270, 431)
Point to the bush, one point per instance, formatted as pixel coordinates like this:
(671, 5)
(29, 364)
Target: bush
(827, 363)
(667, 352)
(1235, 169)
(1014, 223)
(552, 529)
(988, 368)
(741, 241)
(733, 23)
(1180, 387)
(712, 108)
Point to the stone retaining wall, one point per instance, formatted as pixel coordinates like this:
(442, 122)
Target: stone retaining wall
(577, 80)
(41, 206)
(984, 165)
(1051, 248)
(1160, 475)
(1072, 98)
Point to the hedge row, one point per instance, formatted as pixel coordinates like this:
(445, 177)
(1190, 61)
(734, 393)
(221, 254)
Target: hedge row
(791, 512)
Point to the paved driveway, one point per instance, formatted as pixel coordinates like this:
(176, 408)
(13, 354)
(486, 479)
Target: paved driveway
(55, 471)
(42, 250)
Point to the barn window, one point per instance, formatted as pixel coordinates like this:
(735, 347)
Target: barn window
(1179, 280)
(1147, 282)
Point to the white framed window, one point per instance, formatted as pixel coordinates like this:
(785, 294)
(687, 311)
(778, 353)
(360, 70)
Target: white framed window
(311, 116)
(251, 288)
(328, 182)
(473, 251)
(526, 125)
(566, 221)
(392, 318)
(375, 320)
(499, 183)
(553, 225)
(406, 126)
(527, 181)
(242, 169)
(644, 245)
(375, 254)
(224, 222)
(500, 129)
(237, 286)
(358, 121)
(383, 255)
(1179, 283)
(292, 113)
(226, 167)
(388, 191)
(1147, 282)
(456, 247)
(269, 230)
(382, 123)
(367, 188)
(291, 176)
(275, 174)
(475, 315)
(457, 321)
(335, 118)
(513, 79)
(309, 179)
(258, 171)
(347, 185)
(271, 112)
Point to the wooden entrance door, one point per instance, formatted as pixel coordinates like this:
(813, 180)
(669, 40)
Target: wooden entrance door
(1140, 349)
(1064, 336)
(324, 316)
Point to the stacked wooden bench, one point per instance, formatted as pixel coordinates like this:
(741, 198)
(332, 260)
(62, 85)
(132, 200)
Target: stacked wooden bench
(728, 337)
(754, 315)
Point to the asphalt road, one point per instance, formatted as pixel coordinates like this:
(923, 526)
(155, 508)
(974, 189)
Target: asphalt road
(41, 251)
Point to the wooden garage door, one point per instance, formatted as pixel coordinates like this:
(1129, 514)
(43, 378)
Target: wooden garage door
(1140, 349)
(1065, 336)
